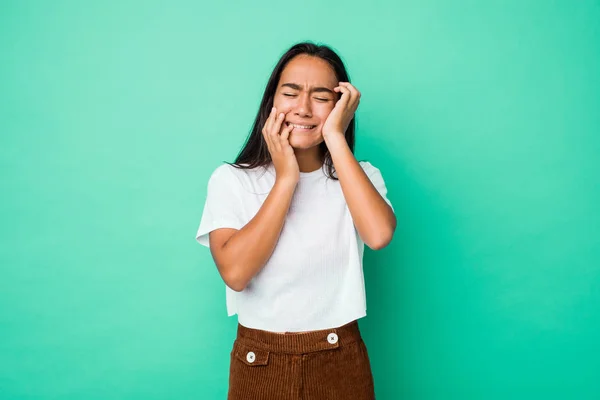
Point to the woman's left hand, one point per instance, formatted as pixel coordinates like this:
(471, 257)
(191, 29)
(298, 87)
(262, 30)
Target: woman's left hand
(338, 120)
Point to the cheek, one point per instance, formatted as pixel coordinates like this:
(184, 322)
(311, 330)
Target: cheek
(323, 112)
(282, 105)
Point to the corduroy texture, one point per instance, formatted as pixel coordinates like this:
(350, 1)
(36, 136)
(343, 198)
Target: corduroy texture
(330, 364)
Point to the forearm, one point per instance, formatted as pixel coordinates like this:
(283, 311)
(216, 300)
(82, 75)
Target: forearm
(249, 248)
(373, 217)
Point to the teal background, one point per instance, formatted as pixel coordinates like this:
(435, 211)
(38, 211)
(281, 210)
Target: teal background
(482, 116)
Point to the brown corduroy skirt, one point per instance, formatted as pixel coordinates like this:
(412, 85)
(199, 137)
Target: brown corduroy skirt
(329, 364)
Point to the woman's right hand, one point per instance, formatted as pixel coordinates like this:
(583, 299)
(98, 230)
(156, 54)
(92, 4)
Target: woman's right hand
(282, 153)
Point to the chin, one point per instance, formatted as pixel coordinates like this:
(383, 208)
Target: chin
(304, 142)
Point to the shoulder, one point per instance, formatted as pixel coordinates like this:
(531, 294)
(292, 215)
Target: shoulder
(229, 171)
(225, 174)
(365, 164)
(368, 167)
(222, 171)
(232, 175)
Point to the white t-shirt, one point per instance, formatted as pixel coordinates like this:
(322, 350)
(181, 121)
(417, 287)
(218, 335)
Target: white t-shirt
(314, 277)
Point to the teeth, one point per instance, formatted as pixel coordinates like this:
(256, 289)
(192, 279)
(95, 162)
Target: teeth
(303, 126)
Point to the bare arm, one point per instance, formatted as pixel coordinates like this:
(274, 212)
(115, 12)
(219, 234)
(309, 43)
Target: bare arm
(241, 254)
(372, 216)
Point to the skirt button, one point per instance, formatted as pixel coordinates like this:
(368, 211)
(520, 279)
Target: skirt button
(332, 338)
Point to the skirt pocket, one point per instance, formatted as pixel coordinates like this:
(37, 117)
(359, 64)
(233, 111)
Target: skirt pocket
(250, 355)
(250, 375)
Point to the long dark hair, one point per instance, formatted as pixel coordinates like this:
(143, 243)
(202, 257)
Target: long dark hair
(255, 152)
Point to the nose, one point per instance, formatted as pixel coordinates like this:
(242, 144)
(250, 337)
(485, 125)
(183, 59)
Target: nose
(303, 108)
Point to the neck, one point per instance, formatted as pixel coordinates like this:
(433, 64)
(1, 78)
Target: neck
(309, 159)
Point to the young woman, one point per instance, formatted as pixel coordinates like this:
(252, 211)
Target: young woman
(286, 225)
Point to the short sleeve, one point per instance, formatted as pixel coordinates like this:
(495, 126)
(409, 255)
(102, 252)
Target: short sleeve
(223, 205)
(377, 180)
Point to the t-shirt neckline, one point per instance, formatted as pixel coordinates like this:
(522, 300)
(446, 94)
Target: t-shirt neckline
(318, 171)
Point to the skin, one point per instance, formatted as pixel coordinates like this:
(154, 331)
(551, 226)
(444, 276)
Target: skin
(241, 254)
(308, 93)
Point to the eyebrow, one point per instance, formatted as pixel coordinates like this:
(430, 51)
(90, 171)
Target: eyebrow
(295, 86)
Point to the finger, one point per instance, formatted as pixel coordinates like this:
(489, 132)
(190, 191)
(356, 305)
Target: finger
(346, 95)
(355, 96)
(267, 128)
(352, 103)
(269, 121)
(276, 128)
(267, 138)
(354, 91)
(285, 134)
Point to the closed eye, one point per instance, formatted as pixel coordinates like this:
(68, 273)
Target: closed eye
(293, 95)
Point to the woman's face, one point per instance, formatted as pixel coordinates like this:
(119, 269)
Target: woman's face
(305, 94)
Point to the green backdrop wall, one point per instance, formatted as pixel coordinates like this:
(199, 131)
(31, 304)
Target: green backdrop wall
(482, 116)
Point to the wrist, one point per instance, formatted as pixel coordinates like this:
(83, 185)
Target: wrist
(334, 139)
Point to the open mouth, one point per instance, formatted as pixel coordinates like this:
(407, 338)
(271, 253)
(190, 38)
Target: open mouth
(302, 127)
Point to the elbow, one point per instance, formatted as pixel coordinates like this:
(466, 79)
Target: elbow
(381, 242)
(235, 287)
(234, 281)
(380, 239)
(378, 245)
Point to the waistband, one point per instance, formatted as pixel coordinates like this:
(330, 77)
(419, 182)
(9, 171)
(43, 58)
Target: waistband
(300, 342)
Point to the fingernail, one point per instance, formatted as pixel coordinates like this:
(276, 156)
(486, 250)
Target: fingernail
(273, 109)
(281, 115)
